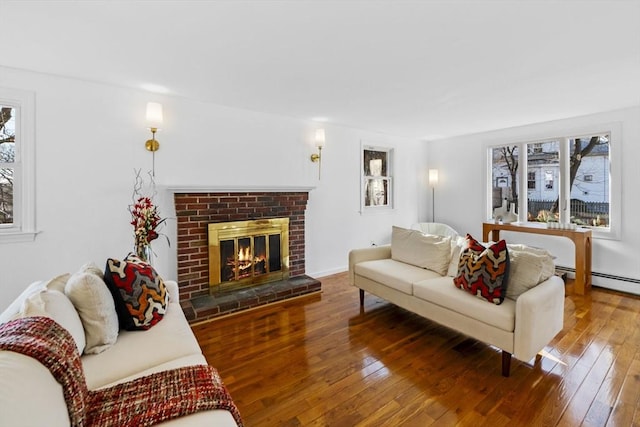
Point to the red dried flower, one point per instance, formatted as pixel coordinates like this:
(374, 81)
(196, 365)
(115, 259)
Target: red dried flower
(145, 219)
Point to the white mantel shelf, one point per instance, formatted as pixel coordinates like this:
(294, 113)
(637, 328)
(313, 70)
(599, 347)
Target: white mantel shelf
(235, 189)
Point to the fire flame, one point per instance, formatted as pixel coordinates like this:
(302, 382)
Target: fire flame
(244, 254)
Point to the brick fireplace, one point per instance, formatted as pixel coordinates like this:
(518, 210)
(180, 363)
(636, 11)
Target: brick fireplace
(196, 210)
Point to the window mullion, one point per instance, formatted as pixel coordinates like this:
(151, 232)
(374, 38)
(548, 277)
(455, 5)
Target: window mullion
(523, 191)
(564, 190)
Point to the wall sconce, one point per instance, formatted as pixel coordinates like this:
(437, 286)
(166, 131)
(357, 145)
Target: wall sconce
(317, 157)
(433, 181)
(154, 120)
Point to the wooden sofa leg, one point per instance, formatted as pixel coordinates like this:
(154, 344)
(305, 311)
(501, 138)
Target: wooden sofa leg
(506, 363)
(361, 297)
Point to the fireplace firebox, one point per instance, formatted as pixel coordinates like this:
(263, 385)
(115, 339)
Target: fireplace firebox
(248, 253)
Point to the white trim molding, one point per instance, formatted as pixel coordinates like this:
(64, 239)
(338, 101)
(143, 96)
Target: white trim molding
(235, 189)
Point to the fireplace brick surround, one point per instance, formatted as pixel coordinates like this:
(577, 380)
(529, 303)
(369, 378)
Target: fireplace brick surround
(195, 210)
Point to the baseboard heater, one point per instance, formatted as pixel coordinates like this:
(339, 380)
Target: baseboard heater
(596, 274)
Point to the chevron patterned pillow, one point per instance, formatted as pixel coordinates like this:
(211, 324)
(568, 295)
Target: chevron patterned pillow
(139, 293)
(484, 271)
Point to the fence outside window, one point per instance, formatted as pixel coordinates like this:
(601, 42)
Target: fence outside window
(582, 213)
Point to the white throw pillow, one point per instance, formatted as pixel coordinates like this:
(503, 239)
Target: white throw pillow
(457, 244)
(93, 301)
(528, 268)
(57, 306)
(13, 311)
(422, 250)
(57, 283)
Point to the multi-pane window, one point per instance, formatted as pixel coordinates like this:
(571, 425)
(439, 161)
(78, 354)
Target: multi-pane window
(590, 180)
(531, 180)
(7, 163)
(504, 175)
(543, 159)
(573, 168)
(17, 186)
(377, 188)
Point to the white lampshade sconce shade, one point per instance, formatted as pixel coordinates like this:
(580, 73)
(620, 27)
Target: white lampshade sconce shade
(320, 138)
(154, 118)
(154, 115)
(433, 177)
(319, 141)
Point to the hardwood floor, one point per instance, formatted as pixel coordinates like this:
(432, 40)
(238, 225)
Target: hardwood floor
(320, 361)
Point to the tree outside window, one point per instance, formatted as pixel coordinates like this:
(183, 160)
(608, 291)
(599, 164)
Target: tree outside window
(504, 175)
(590, 180)
(588, 175)
(17, 165)
(7, 160)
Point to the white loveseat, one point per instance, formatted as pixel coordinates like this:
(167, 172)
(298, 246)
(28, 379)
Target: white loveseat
(521, 326)
(30, 396)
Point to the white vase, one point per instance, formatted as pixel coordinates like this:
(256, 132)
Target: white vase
(510, 216)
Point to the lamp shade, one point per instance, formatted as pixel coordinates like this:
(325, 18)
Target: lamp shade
(320, 139)
(154, 114)
(433, 177)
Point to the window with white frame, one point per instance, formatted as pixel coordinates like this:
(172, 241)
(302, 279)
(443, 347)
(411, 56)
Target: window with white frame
(577, 183)
(7, 162)
(504, 173)
(17, 220)
(377, 180)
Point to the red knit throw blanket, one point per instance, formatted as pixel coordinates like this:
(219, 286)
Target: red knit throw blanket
(142, 402)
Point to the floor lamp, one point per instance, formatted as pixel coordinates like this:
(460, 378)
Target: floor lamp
(433, 180)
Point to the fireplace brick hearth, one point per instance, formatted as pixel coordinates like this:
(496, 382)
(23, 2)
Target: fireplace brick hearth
(194, 211)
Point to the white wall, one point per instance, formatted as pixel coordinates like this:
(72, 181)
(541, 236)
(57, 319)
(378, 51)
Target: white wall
(334, 224)
(90, 138)
(460, 195)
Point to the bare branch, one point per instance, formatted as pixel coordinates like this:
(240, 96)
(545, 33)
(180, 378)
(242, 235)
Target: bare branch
(5, 116)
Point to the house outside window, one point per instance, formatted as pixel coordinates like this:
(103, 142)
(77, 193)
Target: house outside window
(535, 148)
(504, 175)
(548, 179)
(591, 190)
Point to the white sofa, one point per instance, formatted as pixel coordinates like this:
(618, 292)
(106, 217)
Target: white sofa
(521, 327)
(30, 396)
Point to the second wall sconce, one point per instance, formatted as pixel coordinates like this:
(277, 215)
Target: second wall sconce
(319, 141)
(154, 120)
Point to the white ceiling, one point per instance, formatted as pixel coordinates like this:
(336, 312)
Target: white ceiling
(422, 69)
